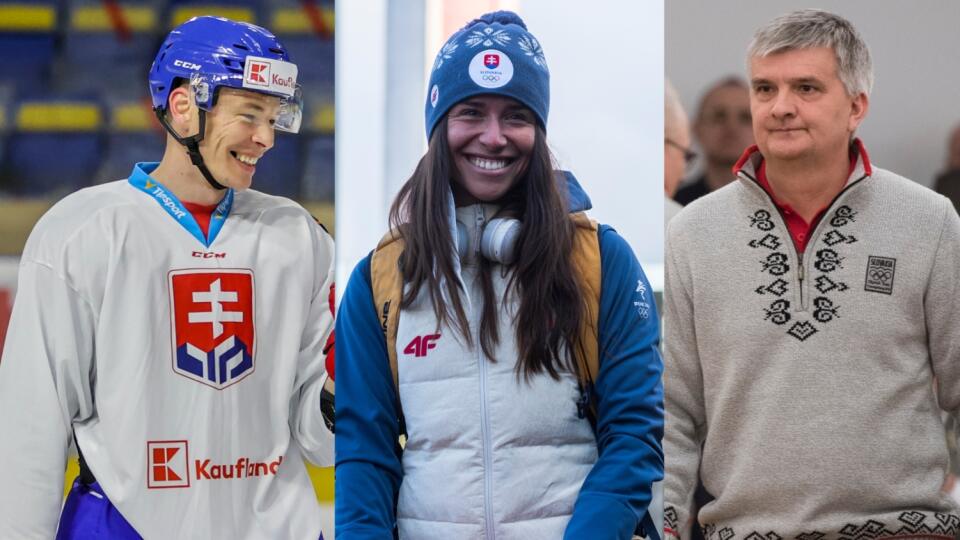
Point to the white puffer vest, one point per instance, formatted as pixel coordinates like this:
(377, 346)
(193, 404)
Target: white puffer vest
(488, 455)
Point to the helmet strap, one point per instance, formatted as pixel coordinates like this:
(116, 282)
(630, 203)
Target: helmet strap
(192, 144)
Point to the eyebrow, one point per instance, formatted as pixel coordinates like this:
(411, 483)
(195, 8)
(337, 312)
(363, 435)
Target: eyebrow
(253, 105)
(794, 81)
(805, 80)
(472, 103)
(519, 108)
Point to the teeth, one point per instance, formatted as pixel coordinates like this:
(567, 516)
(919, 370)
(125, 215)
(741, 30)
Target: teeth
(249, 160)
(489, 164)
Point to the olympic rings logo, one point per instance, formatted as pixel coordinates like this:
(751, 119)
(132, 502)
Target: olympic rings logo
(877, 274)
(490, 78)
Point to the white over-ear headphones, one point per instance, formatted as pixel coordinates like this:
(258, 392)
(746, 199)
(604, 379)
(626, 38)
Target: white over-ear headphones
(497, 242)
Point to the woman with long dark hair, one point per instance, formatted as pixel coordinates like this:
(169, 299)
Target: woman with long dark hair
(509, 341)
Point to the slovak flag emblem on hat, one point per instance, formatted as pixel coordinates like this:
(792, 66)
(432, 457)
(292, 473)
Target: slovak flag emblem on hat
(491, 61)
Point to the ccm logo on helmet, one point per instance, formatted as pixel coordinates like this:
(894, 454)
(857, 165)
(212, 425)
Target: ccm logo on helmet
(421, 344)
(185, 64)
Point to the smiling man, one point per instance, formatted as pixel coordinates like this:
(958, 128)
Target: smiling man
(173, 324)
(809, 306)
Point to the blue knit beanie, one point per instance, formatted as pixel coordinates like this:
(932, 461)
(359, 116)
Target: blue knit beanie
(494, 54)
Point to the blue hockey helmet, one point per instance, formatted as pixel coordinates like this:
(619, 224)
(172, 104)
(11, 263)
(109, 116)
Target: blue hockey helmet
(213, 52)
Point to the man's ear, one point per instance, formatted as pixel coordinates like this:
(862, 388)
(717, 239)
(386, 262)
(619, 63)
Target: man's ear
(181, 109)
(858, 111)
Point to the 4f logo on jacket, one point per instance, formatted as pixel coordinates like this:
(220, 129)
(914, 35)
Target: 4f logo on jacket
(421, 344)
(213, 335)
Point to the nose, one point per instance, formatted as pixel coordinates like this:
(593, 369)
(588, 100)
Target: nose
(263, 135)
(492, 136)
(783, 106)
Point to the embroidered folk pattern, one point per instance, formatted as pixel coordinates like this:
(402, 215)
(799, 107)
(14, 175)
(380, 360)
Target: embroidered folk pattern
(776, 264)
(670, 518)
(769, 241)
(842, 216)
(825, 285)
(802, 330)
(777, 288)
(778, 312)
(761, 220)
(908, 524)
(826, 260)
(834, 237)
(824, 310)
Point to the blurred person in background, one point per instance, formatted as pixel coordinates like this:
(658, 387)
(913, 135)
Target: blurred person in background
(676, 149)
(483, 361)
(722, 129)
(809, 306)
(173, 324)
(948, 182)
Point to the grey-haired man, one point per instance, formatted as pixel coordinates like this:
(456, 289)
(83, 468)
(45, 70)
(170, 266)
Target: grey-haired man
(809, 306)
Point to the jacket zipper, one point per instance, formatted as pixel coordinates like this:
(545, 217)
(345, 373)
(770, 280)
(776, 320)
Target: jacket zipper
(490, 531)
(487, 460)
(813, 236)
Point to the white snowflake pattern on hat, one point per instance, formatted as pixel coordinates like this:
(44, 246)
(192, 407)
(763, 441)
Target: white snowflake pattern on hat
(531, 47)
(445, 53)
(488, 36)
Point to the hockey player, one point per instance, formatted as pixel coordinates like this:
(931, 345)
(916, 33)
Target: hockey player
(174, 323)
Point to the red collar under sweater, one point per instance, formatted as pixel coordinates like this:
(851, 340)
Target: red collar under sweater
(799, 229)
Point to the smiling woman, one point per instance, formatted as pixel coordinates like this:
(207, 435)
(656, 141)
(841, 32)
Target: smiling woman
(491, 139)
(508, 339)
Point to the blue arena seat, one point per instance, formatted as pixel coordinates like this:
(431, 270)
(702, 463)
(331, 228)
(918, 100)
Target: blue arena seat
(180, 11)
(307, 30)
(133, 135)
(105, 43)
(27, 39)
(55, 145)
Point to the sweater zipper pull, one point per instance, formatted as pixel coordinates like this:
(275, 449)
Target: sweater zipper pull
(800, 275)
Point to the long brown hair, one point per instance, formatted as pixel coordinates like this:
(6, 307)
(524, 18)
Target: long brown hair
(551, 304)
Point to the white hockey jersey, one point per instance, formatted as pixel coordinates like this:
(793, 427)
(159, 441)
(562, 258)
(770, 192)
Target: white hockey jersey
(190, 370)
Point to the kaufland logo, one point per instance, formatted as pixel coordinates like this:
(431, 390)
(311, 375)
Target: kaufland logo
(258, 73)
(287, 82)
(169, 466)
(491, 60)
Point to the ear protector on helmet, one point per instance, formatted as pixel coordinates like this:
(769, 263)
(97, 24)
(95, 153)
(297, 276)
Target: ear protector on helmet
(497, 241)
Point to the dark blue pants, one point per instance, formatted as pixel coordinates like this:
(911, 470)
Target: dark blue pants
(89, 515)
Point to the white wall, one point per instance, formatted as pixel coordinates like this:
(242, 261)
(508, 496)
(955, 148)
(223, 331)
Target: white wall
(605, 124)
(606, 110)
(916, 55)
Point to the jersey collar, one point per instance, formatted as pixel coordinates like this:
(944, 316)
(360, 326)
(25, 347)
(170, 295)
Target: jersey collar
(140, 179)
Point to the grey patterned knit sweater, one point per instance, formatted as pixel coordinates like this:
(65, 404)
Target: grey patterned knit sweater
(808, 381)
